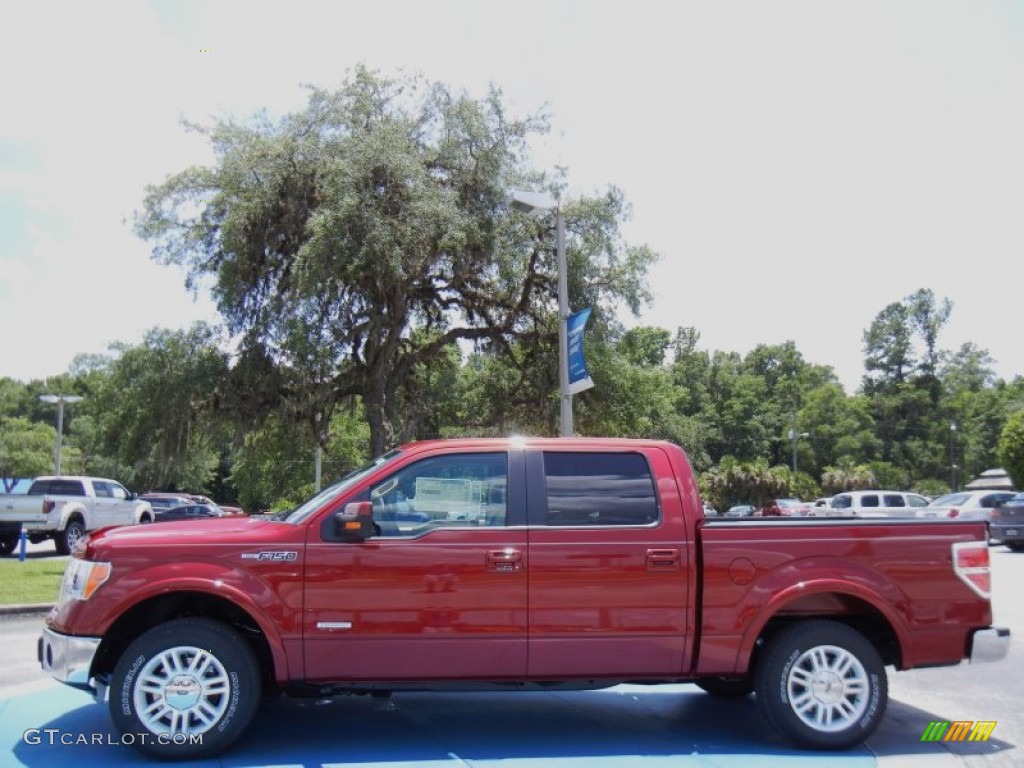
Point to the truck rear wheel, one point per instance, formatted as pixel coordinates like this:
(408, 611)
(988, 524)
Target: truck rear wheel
(73, 532)
(190, 687)
(8, 543)
(822, 685)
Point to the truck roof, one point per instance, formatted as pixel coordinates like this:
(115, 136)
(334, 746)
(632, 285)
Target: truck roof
(525, 441)
(77, 477)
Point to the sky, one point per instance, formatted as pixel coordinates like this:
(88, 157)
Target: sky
(798, 165)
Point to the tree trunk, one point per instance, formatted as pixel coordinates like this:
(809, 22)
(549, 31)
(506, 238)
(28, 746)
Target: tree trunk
(382, 433)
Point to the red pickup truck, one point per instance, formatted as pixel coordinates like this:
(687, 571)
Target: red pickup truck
(514, 563)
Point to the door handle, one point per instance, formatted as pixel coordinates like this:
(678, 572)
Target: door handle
(504, 560)
(663, 560)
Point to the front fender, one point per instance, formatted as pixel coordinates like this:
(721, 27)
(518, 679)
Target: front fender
(144, 509)
(276, 620)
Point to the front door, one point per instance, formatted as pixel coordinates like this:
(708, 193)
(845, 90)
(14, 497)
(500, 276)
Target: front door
(440, 592)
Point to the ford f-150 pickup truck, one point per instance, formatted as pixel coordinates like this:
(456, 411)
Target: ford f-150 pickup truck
(65, 508)
(514, 563)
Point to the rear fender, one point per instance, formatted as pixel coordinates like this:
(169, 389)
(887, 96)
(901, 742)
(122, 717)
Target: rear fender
(799, 580)
(69, 509)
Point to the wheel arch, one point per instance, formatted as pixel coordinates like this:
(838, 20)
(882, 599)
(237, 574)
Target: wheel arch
(72, 512)
(144, 514)
(838, 602)
(162, 608)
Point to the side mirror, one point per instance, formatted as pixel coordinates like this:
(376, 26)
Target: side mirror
(355, 521)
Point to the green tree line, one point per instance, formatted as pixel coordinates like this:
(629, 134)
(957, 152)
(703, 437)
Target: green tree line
(377, 286)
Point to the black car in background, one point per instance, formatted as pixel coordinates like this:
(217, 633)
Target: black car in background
(189, 512)
(1007, 523)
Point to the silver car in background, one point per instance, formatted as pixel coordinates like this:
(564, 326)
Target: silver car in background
(967, 505)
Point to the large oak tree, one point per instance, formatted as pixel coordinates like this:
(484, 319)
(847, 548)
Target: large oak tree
(354, 242)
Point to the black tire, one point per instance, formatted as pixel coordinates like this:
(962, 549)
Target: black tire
(72, 533)
(822, 685)
(8, 544)
(1016, 546)
(726, 687)
(224, 691)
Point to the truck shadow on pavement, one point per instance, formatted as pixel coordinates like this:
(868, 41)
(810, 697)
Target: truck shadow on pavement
(625, 725)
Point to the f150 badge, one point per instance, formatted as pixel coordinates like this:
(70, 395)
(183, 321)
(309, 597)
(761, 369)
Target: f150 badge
(277, 557)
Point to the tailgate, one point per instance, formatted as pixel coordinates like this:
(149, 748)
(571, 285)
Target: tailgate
(22, 509)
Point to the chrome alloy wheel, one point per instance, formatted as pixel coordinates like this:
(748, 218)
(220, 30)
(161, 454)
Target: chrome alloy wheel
(182, 690)
(828, 688)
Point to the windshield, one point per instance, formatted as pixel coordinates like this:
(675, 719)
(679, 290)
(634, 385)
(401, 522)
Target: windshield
(950, 499)
(335, 489)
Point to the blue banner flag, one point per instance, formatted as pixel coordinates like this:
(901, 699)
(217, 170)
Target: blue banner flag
(579, 377)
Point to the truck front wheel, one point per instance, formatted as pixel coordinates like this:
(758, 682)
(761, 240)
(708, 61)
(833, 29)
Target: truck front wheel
(191, 685)
(822, 685)
(73, 532)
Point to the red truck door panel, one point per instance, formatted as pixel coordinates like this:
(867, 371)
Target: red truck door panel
(442, 592)
(608, 567)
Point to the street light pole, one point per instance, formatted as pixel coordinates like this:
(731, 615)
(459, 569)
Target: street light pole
(59, 400)
(563, 322)
(532, 202)
(794, 436)
(952, 456)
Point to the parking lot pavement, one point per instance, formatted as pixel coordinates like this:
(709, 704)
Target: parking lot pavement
(635, 726)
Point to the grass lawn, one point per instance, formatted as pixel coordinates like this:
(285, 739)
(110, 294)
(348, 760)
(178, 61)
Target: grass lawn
(32, 581)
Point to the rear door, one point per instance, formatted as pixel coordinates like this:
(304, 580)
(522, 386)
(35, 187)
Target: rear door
(440, 593)
(895, 505)
(608, 564)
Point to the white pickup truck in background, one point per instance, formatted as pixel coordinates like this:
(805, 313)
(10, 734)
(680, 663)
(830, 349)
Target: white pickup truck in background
(65, 508)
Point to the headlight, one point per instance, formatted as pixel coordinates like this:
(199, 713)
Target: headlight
(82, 578)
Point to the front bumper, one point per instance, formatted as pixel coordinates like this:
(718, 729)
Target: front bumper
(990, 644)
(67, 658)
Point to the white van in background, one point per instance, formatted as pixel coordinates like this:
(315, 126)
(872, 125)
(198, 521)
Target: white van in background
(876, 504)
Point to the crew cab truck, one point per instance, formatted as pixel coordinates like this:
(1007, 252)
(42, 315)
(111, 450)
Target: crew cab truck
(65, 508)
(513, 563)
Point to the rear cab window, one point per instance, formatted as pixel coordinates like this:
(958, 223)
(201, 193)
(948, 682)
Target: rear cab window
(57, 487)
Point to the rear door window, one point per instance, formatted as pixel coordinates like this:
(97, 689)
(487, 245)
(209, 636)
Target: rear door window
(603, 489)
(894, 500)
(869, 500)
